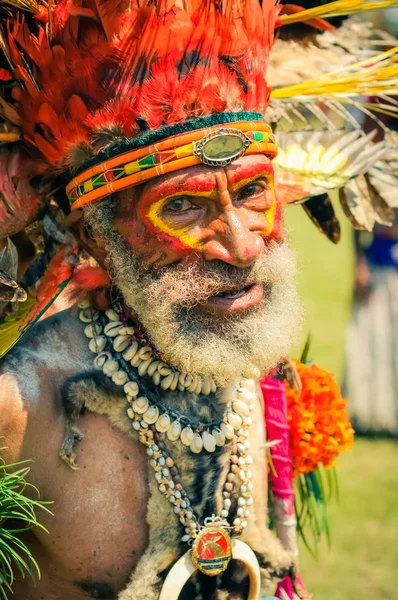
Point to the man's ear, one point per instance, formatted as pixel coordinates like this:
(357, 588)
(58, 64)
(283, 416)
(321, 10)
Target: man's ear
(94, 247)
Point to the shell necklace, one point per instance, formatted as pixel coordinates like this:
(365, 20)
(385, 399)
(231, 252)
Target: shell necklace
(137, 350)
(116, 347)
(211, 544)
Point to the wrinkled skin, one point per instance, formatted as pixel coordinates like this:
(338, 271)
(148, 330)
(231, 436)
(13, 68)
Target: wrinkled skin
(99, 528)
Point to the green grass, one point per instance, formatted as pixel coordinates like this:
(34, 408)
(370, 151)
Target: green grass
(363, 559)
(325, 282)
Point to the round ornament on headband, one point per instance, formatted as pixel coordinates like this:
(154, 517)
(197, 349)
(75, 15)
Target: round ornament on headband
(216, 146)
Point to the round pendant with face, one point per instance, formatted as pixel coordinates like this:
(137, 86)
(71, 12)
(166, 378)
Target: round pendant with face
(211, 551)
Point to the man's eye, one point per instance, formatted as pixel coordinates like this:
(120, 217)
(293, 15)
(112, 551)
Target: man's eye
(253, 189)
(179, 205)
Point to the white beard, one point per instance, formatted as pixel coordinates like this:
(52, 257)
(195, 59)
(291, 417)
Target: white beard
(167, 304)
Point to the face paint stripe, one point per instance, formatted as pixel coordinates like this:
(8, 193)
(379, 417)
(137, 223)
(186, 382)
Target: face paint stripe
(163, 227)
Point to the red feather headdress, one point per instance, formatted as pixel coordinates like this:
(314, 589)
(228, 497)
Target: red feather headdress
(98, 73)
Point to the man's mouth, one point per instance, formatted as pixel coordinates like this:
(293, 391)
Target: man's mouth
(237, 298)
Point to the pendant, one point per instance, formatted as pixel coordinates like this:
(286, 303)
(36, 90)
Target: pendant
(211, 551)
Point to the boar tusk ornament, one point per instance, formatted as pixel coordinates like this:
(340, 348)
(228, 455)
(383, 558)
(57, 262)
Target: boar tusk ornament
(211, 553)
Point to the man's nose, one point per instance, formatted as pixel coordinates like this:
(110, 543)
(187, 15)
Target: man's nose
(233, 241)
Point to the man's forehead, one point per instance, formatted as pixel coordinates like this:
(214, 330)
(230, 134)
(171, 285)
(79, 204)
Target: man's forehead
(202, 178)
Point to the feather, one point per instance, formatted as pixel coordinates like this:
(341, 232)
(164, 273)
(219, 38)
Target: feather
(86, 280)
(320, 211)
(20, 203)
(337, 8)
(356, 203)
(57, 275)
(384, 214)
(311, 163)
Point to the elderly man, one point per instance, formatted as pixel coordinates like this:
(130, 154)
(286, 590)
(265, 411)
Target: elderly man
(173, 195)
(146, 124)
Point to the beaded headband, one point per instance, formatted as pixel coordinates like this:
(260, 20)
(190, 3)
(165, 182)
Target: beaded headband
(218, 145)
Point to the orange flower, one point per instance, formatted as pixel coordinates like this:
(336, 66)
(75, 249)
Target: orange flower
(319, 425)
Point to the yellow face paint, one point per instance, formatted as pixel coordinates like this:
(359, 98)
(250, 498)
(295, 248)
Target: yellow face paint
(181, 233)
(270, 212)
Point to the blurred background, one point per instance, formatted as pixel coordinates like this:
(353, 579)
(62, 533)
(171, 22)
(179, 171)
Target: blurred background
(362, 561)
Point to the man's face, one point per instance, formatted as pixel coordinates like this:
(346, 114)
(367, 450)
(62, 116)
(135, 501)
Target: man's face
(199, 257)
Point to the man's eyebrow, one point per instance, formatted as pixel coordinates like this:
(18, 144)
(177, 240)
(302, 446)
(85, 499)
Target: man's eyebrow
(198, 183)
(243, 181)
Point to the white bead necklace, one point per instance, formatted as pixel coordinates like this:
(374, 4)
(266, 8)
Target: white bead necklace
(145, 408)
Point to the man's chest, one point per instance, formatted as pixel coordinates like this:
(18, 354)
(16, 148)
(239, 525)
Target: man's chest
(101, 523)
(98, 530)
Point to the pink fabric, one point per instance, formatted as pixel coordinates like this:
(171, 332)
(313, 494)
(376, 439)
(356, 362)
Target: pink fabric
(275, 408)
(275, 412)
(287, 586)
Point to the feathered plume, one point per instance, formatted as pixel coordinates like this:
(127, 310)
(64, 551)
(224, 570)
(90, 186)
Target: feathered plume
(131, 68)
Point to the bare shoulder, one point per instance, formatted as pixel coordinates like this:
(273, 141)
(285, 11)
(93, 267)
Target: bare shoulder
(33, 372)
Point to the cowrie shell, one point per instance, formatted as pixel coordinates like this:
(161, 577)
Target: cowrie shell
(167, 381)
(110, 367)
(206, 386)
(113, 328)
(135, 361)
(248, 384)
(131, 388)
(143, 367)
(120, 377)
(163, 423)
(188, 381)
(127, 331)
(156, 378)
(84, 304)
(120, 343)
(88, 316)
(209, 442)
(163, 369)
(246, 395)
(174, 432)
(151, 415)
(174, 383)
(187, 436)
(234, 420)
(92, 330)
(130, 413)
(97, 344)
(241, 408)
(198, 388)
(194, 383)
(152, 367)
(197, 444)
(227, 430)
(131, 351)
(112, 314)
(145, 352)
(100, 360)
(140, 405)
(219, 437)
